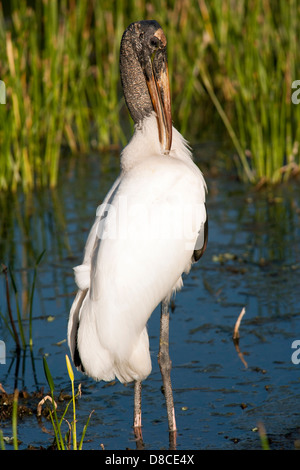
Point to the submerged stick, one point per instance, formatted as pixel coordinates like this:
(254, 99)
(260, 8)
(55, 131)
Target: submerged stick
(236, 333)
(40, 404)
(236, 337)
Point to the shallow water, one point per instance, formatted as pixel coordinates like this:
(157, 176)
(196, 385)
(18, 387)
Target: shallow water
(252, 260)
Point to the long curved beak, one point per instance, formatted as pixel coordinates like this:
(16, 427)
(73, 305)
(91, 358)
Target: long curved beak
(159, 90)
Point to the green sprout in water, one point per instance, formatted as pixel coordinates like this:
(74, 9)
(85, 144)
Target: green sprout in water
(70, 439)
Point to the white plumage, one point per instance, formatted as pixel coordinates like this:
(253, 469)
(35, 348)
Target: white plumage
(142, 240)
(149, 230)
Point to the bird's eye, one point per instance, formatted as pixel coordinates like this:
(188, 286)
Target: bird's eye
(154, 42)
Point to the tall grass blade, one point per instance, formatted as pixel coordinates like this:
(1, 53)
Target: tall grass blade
(84, 431)
(226, 122)
(2, 445)
(48, 375)
(71, 375)
(55, 422)
(15, 419)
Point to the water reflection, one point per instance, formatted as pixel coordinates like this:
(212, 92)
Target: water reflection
(256, 237)
(252, 260)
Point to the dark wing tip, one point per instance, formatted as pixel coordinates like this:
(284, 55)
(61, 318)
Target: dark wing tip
(200, 251)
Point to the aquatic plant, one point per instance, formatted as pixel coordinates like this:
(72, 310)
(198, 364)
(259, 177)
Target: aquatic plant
(70, 439)
(66, 442)
(231, 63)
(14, 438)
(56, 75)
(255, 48)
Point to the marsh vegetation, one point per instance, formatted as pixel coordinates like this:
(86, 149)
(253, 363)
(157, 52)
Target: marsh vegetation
(232, 65)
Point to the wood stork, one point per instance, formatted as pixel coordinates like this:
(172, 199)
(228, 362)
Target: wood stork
(150, 229)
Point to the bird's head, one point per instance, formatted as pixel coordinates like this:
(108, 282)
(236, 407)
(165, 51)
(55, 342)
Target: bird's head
(145, 78)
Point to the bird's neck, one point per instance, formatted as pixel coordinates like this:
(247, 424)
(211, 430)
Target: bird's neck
(145, 144)
(133, 81)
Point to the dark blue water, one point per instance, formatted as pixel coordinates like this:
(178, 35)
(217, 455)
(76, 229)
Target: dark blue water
(252, 261)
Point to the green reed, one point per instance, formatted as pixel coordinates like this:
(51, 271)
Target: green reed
(231, 62)
(14, 439)
(32, 121)
(254, 46)
(47, 63)
(69, 441)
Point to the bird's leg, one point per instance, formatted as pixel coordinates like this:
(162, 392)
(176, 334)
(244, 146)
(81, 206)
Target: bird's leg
(137, 414)
(165, 365)
(137, 418)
